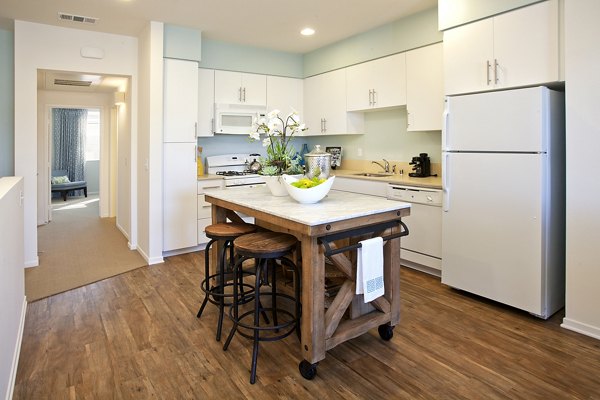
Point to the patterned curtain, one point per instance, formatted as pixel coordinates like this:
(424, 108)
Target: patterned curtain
(68, 152)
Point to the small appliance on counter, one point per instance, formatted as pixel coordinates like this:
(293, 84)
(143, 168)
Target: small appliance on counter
(421, 166)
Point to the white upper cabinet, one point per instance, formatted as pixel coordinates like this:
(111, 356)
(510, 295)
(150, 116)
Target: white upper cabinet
(206, 102)
(325, 106)
(517, 48)
(285, 94)
(240, 88)
(180, 100)
(377, 84)
(425, 88)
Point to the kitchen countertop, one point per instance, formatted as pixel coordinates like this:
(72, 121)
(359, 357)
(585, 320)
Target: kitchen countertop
(434, 182)
(336, 206)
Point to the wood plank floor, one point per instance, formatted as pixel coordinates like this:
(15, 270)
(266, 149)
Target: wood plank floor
(136, 336)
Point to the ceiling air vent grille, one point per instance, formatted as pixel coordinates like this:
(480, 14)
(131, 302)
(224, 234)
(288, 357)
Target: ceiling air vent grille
(69, 82)
(77, 18)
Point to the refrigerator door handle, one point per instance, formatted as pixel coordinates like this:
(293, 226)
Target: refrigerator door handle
(445, 186)
(445, 131)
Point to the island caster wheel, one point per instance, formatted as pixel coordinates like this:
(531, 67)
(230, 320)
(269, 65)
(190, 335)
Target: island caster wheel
(308, 370)
(386, 332)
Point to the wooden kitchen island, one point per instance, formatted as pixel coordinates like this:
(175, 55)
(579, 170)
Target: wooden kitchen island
(345, 218)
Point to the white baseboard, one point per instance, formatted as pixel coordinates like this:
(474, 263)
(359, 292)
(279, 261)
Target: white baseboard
(32, 263)
(15, 363)
(119, 227)
(131, 246)
(150, 261)
(581, 327)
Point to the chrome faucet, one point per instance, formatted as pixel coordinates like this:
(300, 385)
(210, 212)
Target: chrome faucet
(385, 167)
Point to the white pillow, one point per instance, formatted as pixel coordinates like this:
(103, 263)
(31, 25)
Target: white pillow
(60, 179)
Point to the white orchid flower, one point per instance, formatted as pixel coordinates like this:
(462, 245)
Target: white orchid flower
(266, 142)
(274, 124)
(255, 135)
(294, 117)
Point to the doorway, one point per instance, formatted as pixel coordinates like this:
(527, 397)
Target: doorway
(74, 153)
(61, 89)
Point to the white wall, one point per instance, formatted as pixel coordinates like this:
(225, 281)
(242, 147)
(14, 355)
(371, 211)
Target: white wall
(6, 103)
(12, 286)
(582, 57)
(40, 46)
(149, 145)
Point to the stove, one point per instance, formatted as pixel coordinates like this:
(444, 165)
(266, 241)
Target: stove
(234, 169)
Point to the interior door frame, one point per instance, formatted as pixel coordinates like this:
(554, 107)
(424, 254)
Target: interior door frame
(106, 133)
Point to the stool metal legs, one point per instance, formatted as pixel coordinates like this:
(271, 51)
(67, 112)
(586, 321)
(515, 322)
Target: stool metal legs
(288, 326)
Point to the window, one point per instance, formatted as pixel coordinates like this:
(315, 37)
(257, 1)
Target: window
(92, 139)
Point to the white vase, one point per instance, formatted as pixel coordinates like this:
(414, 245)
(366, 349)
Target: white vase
(276, 185)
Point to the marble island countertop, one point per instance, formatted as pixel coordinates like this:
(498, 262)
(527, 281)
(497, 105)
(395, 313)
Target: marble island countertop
(336, 206)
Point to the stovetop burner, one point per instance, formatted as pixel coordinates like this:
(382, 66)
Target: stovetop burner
(234, 173)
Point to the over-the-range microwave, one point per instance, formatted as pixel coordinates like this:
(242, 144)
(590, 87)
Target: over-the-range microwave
(236, 119)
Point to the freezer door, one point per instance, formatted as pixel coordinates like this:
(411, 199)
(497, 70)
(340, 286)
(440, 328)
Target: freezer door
(492, 227)
(510, 121)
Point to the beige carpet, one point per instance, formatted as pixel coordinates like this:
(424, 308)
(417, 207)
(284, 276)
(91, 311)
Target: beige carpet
(78, 248)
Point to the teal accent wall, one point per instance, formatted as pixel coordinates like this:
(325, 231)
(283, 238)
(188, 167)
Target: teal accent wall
(235, 57)
(458, 12)
(398, 36)
(182, 43)
(7, 106)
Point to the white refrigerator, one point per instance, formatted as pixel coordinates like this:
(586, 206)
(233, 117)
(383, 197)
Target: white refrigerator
(503, 223)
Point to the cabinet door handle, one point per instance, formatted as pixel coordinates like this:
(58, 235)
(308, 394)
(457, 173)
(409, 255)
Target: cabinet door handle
(195, 129)
(487, 70)
(240, 94)
(324, 125)
(374, 97)
(495, 71)
(244, 91)
(370, 97)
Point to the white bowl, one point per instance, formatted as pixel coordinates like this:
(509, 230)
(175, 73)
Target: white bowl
(310, 195)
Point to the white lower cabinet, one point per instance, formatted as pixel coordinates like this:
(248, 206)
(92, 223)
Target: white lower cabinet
(204, 208)
(179, 196)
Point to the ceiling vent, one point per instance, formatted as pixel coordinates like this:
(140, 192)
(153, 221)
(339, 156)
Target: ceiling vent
(77, 18)
(69, 82)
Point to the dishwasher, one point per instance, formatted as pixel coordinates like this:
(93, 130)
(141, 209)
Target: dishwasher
(422, 248)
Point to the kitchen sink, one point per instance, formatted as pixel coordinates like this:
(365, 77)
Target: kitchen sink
(374, 174)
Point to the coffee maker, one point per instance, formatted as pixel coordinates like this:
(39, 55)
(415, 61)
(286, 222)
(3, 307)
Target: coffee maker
(421, 166)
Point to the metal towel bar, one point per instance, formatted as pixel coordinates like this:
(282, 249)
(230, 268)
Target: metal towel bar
(326, 240)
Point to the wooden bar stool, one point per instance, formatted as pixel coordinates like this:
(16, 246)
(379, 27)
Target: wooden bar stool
(266, 248)
(226, 233)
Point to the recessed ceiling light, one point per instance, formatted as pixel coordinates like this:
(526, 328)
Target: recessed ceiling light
(307, 31)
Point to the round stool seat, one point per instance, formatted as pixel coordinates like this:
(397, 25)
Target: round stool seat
(265, 244)
(228, 230)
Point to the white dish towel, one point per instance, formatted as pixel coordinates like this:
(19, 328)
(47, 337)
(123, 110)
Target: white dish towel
(369, 269)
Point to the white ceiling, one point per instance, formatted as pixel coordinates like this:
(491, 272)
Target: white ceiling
(273, 24)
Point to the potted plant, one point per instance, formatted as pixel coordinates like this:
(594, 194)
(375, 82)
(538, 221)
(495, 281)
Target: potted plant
(281, 155)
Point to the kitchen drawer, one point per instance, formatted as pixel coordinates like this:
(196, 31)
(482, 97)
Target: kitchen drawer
(210, 184)
(202, 224)
(203, 208)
